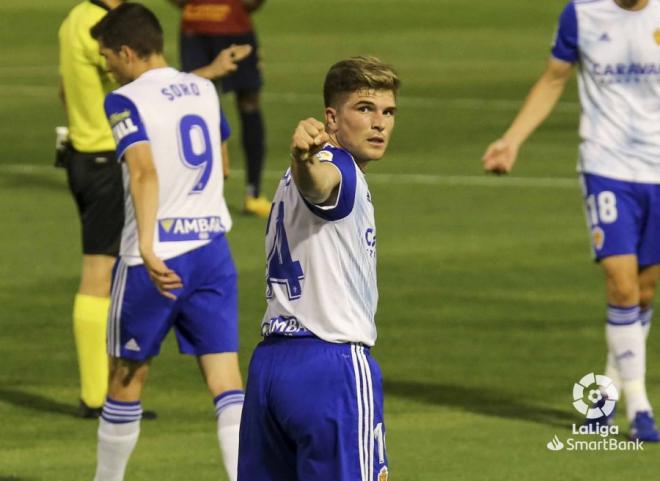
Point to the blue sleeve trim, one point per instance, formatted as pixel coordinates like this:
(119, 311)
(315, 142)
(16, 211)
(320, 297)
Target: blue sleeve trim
(225, 128)
(346, 196)
(125, 121)
(566, 42)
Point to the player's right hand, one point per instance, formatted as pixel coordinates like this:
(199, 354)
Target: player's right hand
(500, 157)
(164, 278)
(308, 138)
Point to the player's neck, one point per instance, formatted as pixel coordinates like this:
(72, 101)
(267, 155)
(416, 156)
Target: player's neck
(632, 5)
(150, 63)
(112, 3)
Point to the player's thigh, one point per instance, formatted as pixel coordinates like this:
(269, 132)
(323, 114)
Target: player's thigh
(195, 50)
(247, 76)
(614, 216)
(207, 321)
(95, 180)
(266, 452)
(140, 316)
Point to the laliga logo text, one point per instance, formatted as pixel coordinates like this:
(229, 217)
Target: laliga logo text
(595, 397)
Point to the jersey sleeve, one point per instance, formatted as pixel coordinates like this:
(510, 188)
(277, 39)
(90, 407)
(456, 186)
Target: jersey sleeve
(127, 126)
(343, 206)
(225, 129)
(565, 46)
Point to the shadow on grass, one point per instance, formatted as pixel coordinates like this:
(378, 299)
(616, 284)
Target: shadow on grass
(35, 402)
(15, 478)
(479, 401)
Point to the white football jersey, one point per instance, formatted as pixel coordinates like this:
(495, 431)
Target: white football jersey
(618, 56)
(321, 260)
(178, 114)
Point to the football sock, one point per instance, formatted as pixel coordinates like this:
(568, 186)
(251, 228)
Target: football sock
(119, 428)
(253, 133)
(625, 339)
(228, 408)
(611, 371)
(645, 317)
(90, 319)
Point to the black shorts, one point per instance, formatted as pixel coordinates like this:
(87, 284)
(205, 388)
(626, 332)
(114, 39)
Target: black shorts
(199, 50)
(95, 180)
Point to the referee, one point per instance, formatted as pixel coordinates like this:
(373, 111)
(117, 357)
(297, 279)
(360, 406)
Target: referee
(95, 181)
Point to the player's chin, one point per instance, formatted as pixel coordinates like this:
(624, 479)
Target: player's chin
(374, 150)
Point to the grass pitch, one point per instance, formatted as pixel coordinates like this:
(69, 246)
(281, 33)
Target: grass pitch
(490, 306)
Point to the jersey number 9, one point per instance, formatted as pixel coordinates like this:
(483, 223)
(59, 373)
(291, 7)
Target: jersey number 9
(195, 149)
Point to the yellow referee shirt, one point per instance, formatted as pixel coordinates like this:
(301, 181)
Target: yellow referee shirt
(85, 79)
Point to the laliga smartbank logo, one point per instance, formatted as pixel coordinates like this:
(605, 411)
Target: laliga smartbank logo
(595, 397)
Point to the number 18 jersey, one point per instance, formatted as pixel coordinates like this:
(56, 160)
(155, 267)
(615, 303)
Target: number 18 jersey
(178, 114)
(321, 260)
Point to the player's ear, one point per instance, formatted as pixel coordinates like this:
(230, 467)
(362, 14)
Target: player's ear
(331, 118)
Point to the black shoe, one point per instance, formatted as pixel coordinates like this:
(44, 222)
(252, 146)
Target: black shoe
(149, 415)
(86, 412)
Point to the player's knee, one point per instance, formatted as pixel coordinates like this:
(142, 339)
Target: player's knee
(126, 379)
(623, 291)
(248, 101)
(646, 295)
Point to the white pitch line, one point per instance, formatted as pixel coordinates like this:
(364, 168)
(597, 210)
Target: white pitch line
(408, 179)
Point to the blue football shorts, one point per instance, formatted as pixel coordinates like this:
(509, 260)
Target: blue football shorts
(623, 218)
(204, 315)
(313, 411)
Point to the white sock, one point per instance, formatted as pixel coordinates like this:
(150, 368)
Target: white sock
(119, 428)
(645, 317)
(626, 343)
(115, 445)
(611, 369)
(228, 408)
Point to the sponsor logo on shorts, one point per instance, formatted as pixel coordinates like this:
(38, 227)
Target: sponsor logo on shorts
(383, 474)
(132, 345)
(189, 228)
(598, 237)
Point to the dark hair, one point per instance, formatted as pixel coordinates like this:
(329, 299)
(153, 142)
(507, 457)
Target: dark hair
(133, 25)
(358, 73)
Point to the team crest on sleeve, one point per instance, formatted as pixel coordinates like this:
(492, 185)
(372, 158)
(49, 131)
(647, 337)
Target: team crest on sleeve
(598, 237)
(383, 474)
(656, 36)
(324, 156)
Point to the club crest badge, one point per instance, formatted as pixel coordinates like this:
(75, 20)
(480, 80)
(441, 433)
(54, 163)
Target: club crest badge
(598, 237)
(383, 474)
(656, 36)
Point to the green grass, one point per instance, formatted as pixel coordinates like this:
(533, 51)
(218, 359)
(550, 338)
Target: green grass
(490, 306)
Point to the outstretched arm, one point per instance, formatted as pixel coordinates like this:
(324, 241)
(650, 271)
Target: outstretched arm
(225, 62)
(542, 98)
(144, 192)
(317, 181)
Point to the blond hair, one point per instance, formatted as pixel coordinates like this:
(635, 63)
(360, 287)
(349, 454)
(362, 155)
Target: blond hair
(358, 73)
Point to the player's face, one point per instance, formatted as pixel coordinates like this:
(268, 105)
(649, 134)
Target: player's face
(363, 123)
(117, 64)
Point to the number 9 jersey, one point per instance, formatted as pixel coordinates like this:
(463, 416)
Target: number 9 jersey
(321, 260)
(179, 115)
